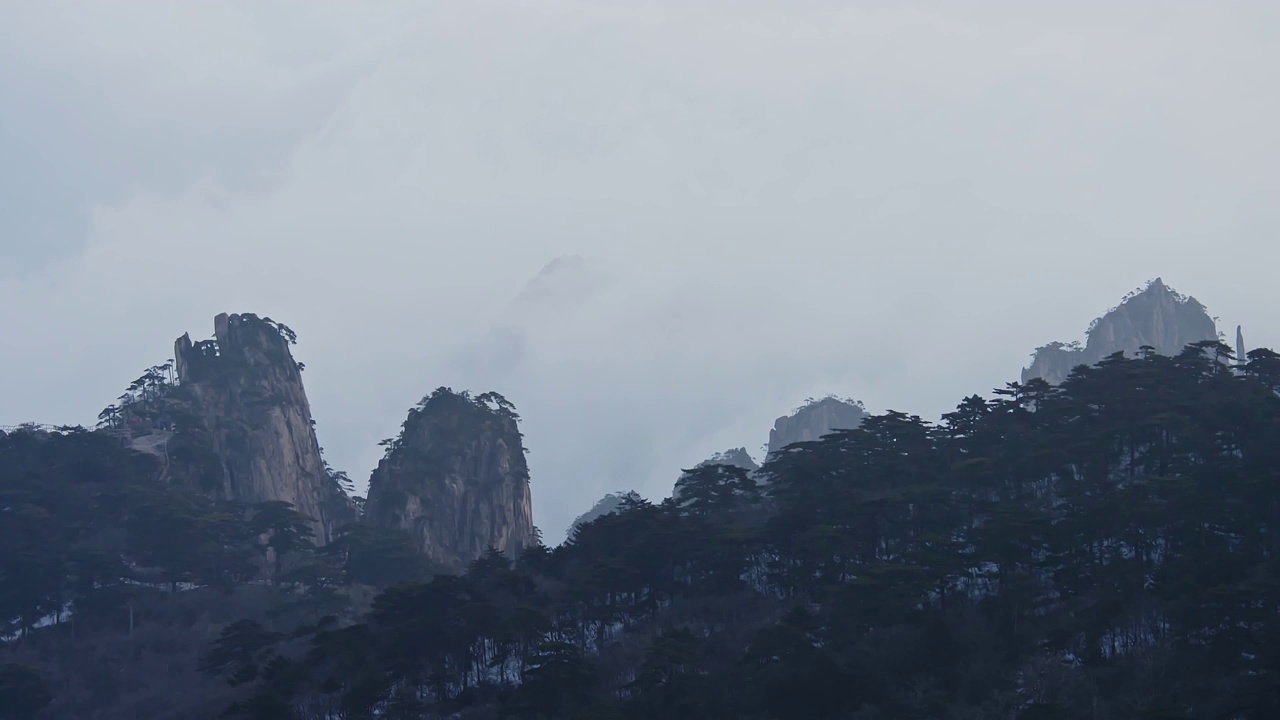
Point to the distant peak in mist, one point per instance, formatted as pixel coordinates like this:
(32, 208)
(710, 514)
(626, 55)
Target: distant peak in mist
(567, 279)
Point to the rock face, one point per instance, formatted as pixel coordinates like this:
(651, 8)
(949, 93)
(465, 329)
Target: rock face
(815, 419)
(1156, 316)
(245, 423)
(456, 479)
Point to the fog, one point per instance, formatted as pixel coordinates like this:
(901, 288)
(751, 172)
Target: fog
(653, 226)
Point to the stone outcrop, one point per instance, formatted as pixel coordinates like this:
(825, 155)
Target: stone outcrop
(245, 431)
(1156, 316)
(456, 480)
(815, 419)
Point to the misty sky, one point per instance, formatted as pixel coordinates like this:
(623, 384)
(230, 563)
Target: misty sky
(772, 200)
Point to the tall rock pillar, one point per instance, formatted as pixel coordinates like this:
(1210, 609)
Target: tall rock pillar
(456, 480)
(244, 393)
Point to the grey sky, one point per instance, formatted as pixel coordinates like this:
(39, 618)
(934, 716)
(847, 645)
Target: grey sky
(891, 201)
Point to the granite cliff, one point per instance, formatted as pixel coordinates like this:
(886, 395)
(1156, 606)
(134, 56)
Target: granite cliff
(244, 427)
(1156, 316)
(815, 419)
(456, 479)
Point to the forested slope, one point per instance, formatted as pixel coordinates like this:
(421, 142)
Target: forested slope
(1104, 548)
(1101, 549)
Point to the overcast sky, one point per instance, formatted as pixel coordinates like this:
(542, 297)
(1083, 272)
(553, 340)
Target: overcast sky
(772, 200)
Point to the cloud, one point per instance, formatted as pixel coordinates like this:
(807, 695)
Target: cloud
(894, 201)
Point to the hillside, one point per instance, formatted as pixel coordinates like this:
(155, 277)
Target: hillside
(1102, 547)
(1004, 563)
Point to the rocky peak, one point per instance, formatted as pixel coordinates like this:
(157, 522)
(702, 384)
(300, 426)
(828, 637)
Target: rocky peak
(246, 431)
(456, 479)
(736, 457)
(565, 281)
(605, 505)
(815, 419)
(1156, 315)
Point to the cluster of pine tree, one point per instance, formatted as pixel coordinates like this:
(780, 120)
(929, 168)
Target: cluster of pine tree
(113, 580)
(1106, 549)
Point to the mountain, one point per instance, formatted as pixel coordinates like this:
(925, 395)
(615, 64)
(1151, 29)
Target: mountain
(815, 419)
(456, 479)
(605, 505)
(244, 427)
(901, 556)
(737, 457)
(1155, 316)
(550, 299)
(565, 282)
